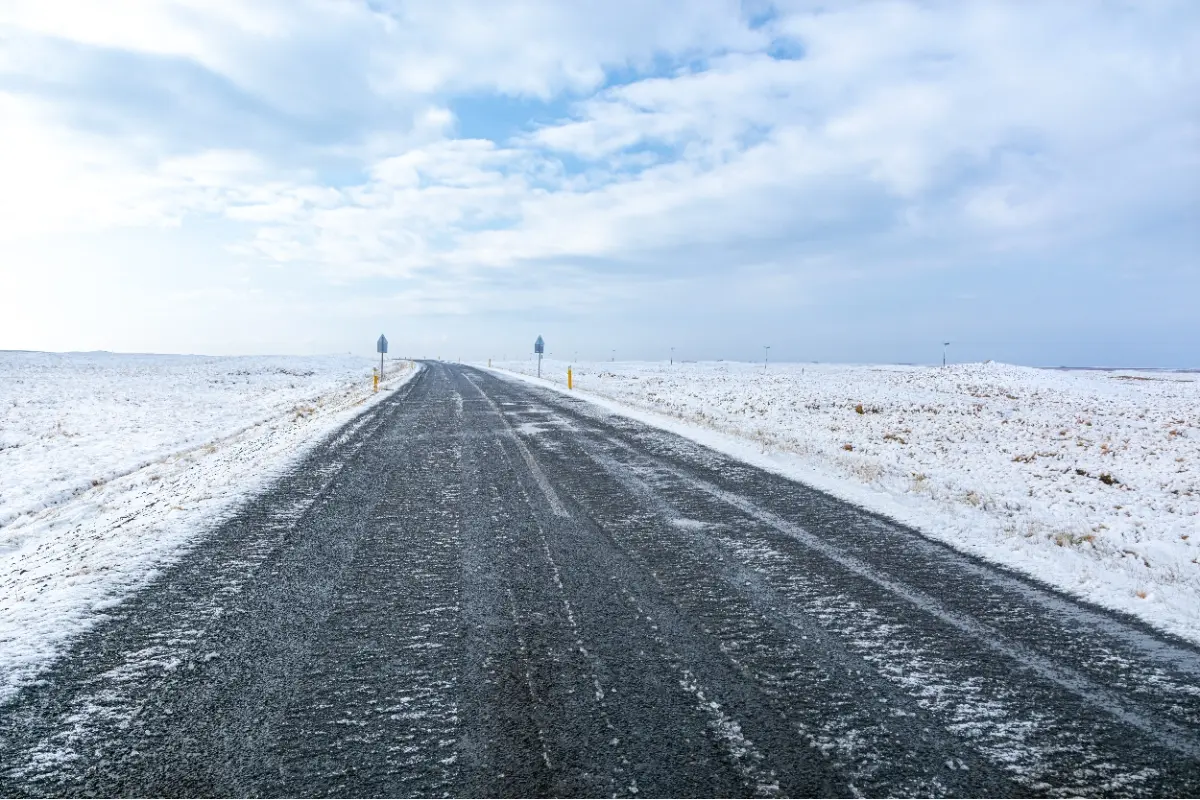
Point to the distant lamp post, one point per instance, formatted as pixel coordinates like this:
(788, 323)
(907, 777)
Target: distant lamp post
(614, 355)
(766, 355)
(672, 356)
(944, 346)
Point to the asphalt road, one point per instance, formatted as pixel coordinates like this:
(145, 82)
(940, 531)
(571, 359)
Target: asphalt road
(488, 588)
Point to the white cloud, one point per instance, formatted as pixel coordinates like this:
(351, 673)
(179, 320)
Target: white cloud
(306, 53)
(55, 179)
(542, 47)
(969, 121)
(901, 133)
(268, 49)
(58, 179)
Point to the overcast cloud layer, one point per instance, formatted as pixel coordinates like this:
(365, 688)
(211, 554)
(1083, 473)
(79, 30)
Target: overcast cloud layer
(842, 181)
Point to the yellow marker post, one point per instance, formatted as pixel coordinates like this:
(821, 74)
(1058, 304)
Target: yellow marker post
(569, 378)
(376, 378)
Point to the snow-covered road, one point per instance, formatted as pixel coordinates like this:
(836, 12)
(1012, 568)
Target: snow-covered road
(110, 464)
(483, 588)
(1088, 480)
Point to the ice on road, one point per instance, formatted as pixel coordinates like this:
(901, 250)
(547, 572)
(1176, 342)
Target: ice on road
(487, 588)
(110, 463)
(1086, 479)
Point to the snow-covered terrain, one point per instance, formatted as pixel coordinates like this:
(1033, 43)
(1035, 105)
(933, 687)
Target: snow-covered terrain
(1088, 480)
(111, 464)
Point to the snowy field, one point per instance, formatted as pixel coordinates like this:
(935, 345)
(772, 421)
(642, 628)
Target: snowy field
(1087, 480)
(111, 464)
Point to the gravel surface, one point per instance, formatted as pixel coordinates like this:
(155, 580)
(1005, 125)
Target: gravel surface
(488, 589)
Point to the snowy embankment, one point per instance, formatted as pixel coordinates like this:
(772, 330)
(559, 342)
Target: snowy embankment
(1087, 480)
(111, 464)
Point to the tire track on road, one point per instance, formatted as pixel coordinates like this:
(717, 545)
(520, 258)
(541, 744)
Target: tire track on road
(1049, 734)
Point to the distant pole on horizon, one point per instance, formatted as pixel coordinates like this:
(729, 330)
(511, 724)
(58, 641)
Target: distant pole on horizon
(944, 346)
(614, 356)
(766, 355)
(672, 356)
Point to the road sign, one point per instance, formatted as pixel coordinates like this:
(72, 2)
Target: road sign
(381, 348)
(539, 346)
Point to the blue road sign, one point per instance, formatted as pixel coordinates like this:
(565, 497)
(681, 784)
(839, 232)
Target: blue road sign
(539, 346)
(381, 345)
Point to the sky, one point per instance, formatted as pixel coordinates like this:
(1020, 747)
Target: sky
(843, 181)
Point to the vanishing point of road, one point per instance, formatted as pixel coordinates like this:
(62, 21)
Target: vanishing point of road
(487, 588)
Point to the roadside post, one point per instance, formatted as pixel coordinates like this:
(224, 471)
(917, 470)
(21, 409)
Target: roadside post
(569, 383)
(539, 347)
(381, 348)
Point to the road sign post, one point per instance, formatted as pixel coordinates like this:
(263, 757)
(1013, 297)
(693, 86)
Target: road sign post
(539, 347)
(381, 348)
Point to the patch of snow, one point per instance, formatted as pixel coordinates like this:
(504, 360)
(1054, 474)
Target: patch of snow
(1088, 480)
(110, 465)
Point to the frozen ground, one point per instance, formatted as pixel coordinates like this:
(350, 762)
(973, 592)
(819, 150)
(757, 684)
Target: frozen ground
(110, 464)
(1088, 480)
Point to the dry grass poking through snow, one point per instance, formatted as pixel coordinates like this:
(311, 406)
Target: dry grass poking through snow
(1087, 479)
